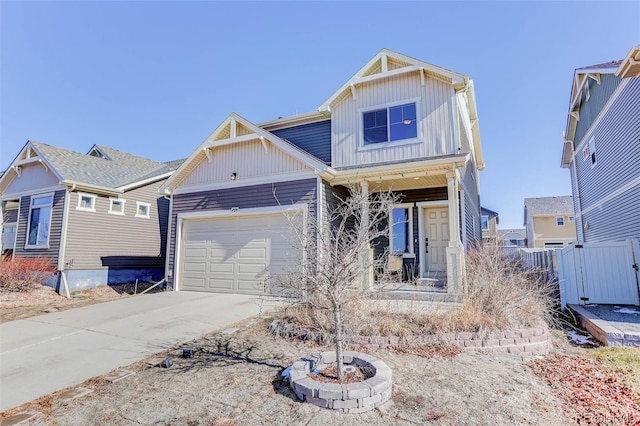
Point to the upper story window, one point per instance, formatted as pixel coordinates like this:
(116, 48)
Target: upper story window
(560, 220)
(572, 218)
(401, 230)
(116, 206)
(484, 222)
(392, 123)
(143, 209)
(39, 221)
(86, 202)
(592, 150)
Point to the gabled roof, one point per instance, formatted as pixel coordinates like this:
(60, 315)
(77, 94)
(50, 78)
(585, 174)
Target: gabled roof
(388, 63)
(630, 65)
(104, 169)
(545, 206)
(236, 129)
(581, 77)
(487, 212)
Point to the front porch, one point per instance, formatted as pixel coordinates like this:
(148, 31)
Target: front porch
(425, 247)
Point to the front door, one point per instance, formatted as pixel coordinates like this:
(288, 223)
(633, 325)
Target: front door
(436, 239)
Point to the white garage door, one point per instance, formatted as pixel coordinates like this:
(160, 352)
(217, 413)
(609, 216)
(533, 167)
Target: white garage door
(234, 254)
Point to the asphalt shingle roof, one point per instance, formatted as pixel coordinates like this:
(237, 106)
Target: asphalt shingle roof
(120, 170)
(612, 64)
(549, 205)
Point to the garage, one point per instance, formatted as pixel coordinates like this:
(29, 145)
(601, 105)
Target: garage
(234, 253)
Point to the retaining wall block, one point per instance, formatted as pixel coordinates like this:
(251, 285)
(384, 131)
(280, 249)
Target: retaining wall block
(330, 391)
(507, 342)
(369, 401)
(319, 402)
(349, 403)
(307, 387)
(328, 357)
(378, 385)
(301, 366)
(358, 390)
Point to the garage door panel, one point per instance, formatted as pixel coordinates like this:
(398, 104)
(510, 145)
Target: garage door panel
(238, 253)
(221, 283)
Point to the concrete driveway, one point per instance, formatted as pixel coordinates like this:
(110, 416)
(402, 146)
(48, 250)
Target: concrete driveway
(42, 354)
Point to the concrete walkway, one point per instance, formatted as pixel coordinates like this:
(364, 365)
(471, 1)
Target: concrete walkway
(612, 325)
(42, 354)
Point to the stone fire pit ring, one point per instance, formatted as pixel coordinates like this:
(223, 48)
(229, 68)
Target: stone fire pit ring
(347, 398)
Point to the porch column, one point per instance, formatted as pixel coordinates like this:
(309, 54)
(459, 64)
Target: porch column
(366, 257)
(455, 250)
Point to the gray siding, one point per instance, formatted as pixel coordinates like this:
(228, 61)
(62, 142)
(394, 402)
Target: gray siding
(314, 138)
(617, 139)
(266, 195)
(55, 229)
(589, 110)
(98, 240)
(472, 205)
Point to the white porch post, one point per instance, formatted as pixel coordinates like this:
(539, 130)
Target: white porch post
(455, 250)
(366, 255)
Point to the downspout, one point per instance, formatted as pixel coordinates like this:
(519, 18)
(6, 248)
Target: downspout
(578, 214)
(168, 196)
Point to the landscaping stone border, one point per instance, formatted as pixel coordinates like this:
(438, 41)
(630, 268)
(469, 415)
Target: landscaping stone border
(347, 398)
(530, 341)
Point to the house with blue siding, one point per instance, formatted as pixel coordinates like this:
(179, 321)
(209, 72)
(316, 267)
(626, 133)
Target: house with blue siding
(398, 124)
(602, 149)
(97, 215)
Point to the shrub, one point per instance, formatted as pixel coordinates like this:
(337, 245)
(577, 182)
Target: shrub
(23, 274)
(503, 293)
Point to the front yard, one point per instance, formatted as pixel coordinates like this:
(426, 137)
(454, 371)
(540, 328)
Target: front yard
(234, 379)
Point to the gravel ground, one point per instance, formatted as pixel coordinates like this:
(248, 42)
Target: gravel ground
(234, 379)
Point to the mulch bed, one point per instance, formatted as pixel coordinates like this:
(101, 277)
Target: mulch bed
(330, 375)
(591, 394)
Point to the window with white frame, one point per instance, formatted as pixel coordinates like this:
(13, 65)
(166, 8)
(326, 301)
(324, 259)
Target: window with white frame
(572, 219)
(592, 150)
(39, 221)
(391, 123)
(143, 209)
(484, 222)
(401, 230)
(559, 220)
(116, 206)
(86, 202)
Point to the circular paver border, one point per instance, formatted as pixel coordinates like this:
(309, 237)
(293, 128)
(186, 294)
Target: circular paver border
(347, 398)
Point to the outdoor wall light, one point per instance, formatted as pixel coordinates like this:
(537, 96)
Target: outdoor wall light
(234, 176)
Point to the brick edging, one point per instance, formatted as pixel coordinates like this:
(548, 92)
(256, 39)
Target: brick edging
(531, 341)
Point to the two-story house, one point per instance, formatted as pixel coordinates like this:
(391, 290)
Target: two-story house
(549, 222)
(98, 216)
(602, 149)
(399, 123)
(489, 221)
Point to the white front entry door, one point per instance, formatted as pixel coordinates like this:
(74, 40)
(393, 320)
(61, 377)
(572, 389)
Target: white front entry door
(436, 226)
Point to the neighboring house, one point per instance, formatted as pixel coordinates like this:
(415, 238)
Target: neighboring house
(513, 237)
(98, 216)
(489, 221)
(398, 124)
(549, 222)
(602, 149)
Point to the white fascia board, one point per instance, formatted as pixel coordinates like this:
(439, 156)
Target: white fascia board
(95, 189)
(144, 182)
(416, 65)
(292, 121)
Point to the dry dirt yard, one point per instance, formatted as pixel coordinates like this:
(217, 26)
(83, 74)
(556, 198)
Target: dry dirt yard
(234, 378)
(41, 299)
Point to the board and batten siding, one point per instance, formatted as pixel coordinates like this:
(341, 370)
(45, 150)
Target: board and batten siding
(314, 138)
(99, 239)
(612, 213)
(246, 160)
(55, 227)
(32, 177)
(599, 94)
(264, 195)
(436, 121)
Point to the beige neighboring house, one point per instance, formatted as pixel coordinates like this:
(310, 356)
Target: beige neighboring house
(513, 237)
(489, 221)
(549, 222)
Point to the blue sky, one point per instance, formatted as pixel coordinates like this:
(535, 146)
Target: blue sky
(155, 78)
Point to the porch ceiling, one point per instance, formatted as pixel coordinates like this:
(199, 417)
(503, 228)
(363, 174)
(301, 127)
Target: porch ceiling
(403, 184)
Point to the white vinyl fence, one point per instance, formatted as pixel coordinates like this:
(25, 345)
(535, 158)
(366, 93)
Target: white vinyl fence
(604, 273)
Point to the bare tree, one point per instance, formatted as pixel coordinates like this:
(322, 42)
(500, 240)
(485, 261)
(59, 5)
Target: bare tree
(337, 264)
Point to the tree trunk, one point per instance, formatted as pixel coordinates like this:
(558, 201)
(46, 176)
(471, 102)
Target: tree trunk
(337, 318)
